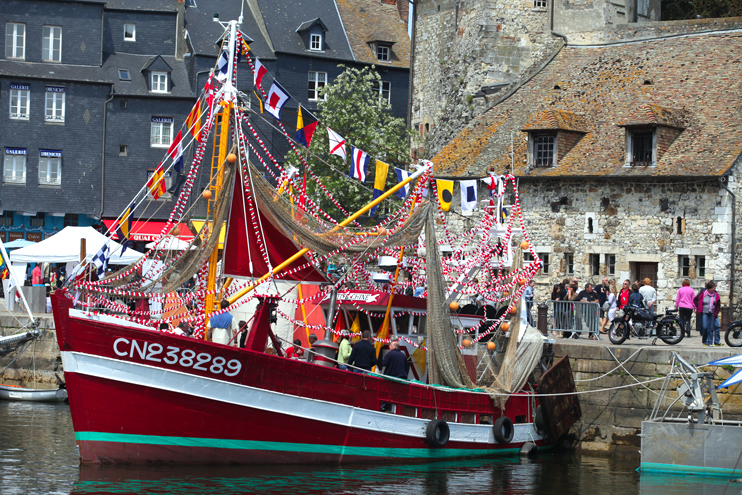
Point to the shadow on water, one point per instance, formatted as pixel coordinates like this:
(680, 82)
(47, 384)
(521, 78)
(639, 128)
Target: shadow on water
(38, 455)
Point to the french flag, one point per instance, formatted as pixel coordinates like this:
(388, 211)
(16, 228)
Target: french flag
(277, 98)
(176, 151)
(260, 71)
(359, 164)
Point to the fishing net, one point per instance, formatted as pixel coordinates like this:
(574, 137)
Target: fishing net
(446, 366)
(322, 237)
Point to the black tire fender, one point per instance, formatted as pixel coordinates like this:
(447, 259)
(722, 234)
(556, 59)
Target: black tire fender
(503, 430)
(437, 433)
(539, 422)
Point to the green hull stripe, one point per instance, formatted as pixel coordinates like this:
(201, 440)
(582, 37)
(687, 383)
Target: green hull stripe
(93, 436)
(701, 470)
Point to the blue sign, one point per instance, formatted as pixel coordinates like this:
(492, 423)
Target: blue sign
(55, 89)
(20, 86)
(51, 153)
(16, 151)
(164, 120)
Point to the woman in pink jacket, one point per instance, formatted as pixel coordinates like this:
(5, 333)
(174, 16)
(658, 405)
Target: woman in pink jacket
(684, 303)
(709, 305)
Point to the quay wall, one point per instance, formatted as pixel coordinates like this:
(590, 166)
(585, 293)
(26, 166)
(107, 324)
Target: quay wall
(611, 419)
(42, 355)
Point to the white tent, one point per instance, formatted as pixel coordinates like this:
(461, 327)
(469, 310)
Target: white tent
(64, 247)
(168, 243)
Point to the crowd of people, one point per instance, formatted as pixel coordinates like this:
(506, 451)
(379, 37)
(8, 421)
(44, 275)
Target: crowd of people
(706, 303)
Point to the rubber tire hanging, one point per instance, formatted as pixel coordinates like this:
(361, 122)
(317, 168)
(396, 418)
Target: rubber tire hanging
(437, 433)
(503, 430)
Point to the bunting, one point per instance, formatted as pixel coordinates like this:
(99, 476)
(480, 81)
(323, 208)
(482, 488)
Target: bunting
(277, 98)
(359, 164)
(222, 66)
(337, 144)
(445, 193)
(123, 229)
(260, 71)
(156, 183)
(304, 133)
(402, 175)
(193, 121)
(176, 151)
(100, 260)
(468, 195)
(382, 169)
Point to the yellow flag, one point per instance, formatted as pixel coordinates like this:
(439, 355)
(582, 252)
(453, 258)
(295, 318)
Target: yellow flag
(356, 328)
(299, 120)
(382, 169)
(445, 193)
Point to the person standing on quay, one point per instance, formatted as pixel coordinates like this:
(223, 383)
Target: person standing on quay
(623, 295)
(709, 305)
(528, 294)
(684, 304)
(649, 295)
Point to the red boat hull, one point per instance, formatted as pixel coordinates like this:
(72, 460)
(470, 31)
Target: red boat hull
(142, 396)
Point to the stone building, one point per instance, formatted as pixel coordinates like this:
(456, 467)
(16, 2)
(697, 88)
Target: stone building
(468, 51)
(628, 155)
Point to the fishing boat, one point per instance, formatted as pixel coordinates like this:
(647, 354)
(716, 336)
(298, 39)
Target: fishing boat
(12, 392)
(141, 394)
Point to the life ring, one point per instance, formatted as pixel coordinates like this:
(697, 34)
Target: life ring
(437, 433)
(539, 422)
(503, 430)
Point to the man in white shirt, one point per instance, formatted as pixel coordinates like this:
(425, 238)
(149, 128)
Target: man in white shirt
(649, 295)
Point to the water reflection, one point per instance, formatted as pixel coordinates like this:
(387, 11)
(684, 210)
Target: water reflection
(38, 456)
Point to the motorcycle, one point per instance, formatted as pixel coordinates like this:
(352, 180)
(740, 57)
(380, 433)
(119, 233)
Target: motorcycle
(733, 336)
(637, 322)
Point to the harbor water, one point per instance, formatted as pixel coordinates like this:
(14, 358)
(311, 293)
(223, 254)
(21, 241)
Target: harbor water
(38, 455)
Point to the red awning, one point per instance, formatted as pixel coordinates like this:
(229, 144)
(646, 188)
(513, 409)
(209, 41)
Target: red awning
(142, 230)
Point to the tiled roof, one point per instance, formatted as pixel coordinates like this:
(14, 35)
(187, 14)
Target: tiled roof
(137, 86)
(556, 119)
(151, 5)
(54, 72)
(651, 114)
(699, 76)
(373, 20)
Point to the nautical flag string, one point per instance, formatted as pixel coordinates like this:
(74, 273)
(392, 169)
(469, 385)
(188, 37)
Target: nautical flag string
(277, 98)
(382, 169)
(222, 66)
(260, 71)
(101, 258)
(193, 121)
(337, 144)
(123, 229)
(156, 183)
(304, 132)
(468, 195)
(402, 175)
(176, 151)
(358, 164)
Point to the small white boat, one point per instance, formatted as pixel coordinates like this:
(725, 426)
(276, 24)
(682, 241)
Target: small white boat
(9, 392)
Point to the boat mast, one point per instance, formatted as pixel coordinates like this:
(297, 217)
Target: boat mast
(219, 155)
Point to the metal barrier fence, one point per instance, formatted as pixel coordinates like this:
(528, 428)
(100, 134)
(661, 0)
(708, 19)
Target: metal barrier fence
(573, 319)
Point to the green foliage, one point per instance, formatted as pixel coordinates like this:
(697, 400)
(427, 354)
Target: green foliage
(353, 108)
(674, 10)
(728, 367)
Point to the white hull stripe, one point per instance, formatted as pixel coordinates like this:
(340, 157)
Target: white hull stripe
(275, 402)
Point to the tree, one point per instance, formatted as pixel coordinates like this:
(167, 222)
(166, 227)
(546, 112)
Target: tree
(352, 107)
(707, 9)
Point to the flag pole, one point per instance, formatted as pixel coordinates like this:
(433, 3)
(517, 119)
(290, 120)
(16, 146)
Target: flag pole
(246, 290)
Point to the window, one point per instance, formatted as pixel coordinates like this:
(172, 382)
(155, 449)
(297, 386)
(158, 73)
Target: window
(542, 150)
(685, 266)
(162, 132)
(569, 259)
(382, 53)
(527, 257)
(6, 218)
(71, 220)
(38, 220)
(159, 82)
(54, 104)
(15, 40)
(700, 266)
(50, 167)
(20, 101)
(641, 147)
(123, 104)
(130, 32)
(123, 150)
(124, 75)
(594, 264)
(544, 263)
(384, 89)
(539, 4)
(315, 42)
(51, 44)
(14, 169)
(610, 261)
(317, 81)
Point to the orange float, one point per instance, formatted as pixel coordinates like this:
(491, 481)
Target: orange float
(206, 194)
(466, 343)
(512, 310)
(454, 306)
(505, 326)
(491, 346)
(231, 158)
(524, 245)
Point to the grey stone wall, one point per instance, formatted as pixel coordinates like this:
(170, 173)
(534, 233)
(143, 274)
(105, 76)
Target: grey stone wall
(156, 32)
(611, 419)
(41, 360)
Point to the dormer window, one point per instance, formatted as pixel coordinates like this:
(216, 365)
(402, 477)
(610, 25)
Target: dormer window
(382, 53)
(641, 145)
(158, 82)
(315, 42)
(650, 131)
(543, 149)
(552, 134)
(130, 32)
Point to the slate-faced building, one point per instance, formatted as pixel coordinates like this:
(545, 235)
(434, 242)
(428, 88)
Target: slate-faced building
(628, 155)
